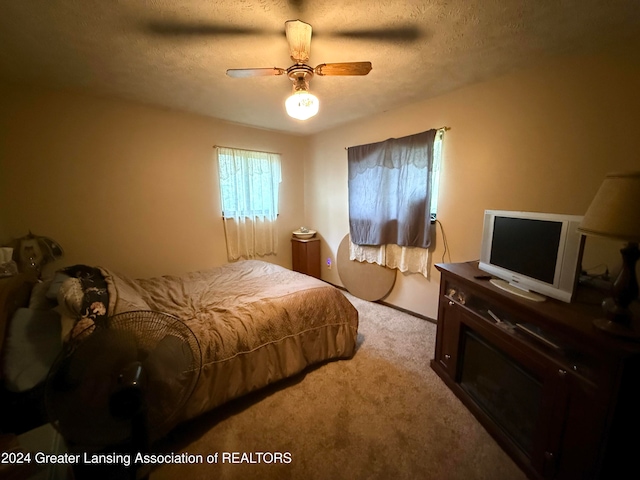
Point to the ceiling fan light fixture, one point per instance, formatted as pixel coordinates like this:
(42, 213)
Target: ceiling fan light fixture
(302, 105)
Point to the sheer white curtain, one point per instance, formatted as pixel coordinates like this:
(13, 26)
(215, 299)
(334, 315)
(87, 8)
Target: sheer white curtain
(405, 259)
(249, 183)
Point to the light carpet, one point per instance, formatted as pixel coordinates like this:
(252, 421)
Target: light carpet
(384, 414)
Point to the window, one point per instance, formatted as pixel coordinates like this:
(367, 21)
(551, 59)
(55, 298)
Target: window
(390, 185)
(249, 183)
(435, 173)
(393, 200)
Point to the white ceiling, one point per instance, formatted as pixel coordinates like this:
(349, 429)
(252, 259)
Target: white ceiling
(175, 53)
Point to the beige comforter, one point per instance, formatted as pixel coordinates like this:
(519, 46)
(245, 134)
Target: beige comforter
(256, 323)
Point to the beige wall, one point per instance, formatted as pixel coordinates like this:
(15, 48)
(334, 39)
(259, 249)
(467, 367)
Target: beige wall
(536, 140)
(134, 188)
(126, 186)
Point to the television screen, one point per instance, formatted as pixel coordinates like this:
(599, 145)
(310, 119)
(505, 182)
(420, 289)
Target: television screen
(526, 246)
(533, 252)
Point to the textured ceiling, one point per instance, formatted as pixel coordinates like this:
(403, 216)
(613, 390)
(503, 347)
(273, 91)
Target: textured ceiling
(175, 53)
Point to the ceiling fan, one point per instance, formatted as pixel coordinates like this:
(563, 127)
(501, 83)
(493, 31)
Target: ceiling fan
(302, 104)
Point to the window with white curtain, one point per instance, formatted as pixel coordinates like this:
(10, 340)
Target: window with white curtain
(249, 184)
(390, 186)
(387, 180)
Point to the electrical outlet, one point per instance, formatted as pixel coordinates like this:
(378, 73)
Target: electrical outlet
(329, 263)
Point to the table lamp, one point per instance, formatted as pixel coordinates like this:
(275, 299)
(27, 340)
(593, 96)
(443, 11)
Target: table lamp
(615, 213)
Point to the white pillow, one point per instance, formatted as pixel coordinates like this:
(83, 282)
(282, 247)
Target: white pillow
(54, 286)
(33, 342)
(38, 299)
(71, 296)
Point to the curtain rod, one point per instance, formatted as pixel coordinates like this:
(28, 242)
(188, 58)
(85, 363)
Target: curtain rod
(247, 150)
(436, 129)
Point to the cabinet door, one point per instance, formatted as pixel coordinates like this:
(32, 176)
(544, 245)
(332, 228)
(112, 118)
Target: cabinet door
(448, 334)
(555, 396)
(305, 256)
(298, 256)
(520, 390)
(313, 259)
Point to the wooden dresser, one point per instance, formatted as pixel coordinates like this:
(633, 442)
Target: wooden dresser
(561, 397)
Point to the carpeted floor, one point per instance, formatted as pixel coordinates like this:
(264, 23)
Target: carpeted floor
(383, 414)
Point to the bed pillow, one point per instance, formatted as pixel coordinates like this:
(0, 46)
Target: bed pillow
(38, 299)
(56, 283)
(33, 342)
(71, 297)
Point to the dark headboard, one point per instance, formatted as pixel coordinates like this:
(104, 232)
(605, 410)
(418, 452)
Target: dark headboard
(14, 293)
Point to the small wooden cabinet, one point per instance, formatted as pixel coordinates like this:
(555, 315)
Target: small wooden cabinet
(558, 395)
(305, 255)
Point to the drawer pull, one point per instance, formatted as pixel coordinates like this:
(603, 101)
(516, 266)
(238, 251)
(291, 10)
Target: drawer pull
(451, 303)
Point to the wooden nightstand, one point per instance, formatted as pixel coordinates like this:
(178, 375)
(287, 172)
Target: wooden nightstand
(305, 255)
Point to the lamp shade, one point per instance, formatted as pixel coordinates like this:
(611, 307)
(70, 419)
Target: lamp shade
(302, 105)
(615, 210)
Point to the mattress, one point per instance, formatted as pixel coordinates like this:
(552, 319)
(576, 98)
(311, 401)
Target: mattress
(256, 323)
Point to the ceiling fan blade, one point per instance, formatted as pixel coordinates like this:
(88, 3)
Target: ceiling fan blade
(255, 72)
(202, 28)
(299, 38)
(297, 4)
(350, 68)
(409, 33)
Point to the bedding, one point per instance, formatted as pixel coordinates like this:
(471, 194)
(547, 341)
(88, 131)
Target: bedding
(31, 331)
(33, 342)
(256, 322)
(14, 293)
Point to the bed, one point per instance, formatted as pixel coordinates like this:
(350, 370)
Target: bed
(256, 322)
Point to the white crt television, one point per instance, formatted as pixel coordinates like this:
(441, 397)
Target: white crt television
(534, 255)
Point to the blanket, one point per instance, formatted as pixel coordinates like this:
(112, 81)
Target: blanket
(256, 323)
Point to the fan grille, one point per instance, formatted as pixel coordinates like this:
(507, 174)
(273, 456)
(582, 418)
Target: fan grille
(89, 372)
